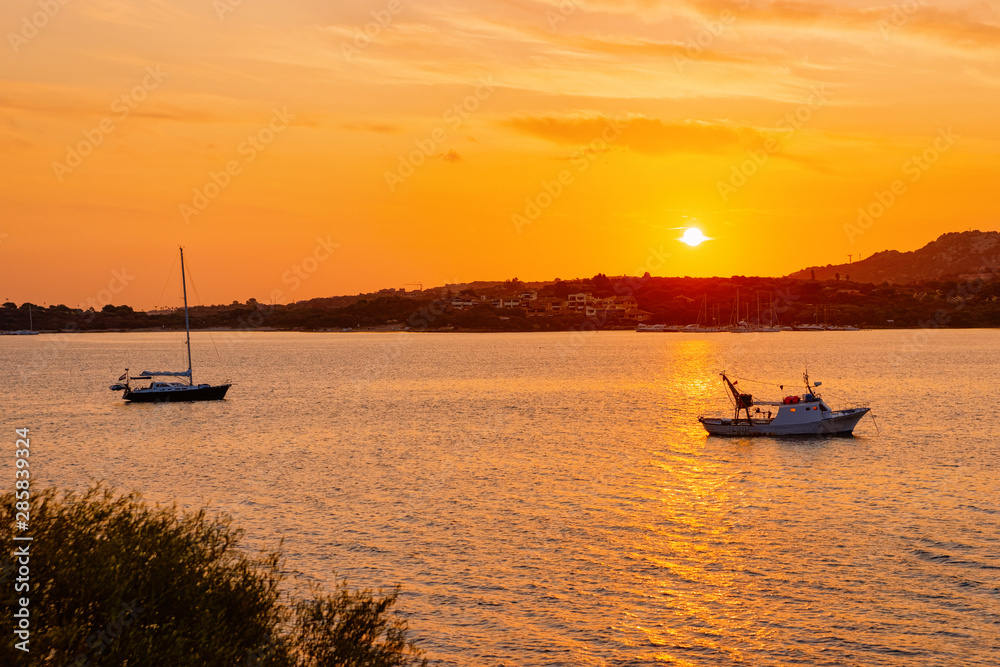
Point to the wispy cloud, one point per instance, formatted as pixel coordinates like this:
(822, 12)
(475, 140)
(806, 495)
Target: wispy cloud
(381, 128)
(644, 135)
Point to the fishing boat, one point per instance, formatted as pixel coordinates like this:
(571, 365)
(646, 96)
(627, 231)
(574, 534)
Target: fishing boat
(163, 392)
(805, 414)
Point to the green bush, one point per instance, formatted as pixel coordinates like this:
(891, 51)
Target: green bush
(114, 581)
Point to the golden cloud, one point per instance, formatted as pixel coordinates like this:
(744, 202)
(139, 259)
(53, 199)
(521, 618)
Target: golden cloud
(650, 136)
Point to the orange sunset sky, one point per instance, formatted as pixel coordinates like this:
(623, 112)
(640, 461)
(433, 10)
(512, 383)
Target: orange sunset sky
(462, 140)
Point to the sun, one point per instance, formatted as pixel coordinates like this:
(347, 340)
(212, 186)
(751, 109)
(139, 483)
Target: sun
(693, 236)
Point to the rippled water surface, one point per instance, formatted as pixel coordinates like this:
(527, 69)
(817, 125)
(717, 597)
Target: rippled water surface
(550, 499)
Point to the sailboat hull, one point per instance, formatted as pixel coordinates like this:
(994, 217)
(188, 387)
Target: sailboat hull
(202, 392)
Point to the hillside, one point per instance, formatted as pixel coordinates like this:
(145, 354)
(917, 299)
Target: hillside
(580, 304)
(953, 281)
(954, 255)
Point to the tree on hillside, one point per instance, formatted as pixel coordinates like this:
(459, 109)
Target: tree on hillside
(601, 281)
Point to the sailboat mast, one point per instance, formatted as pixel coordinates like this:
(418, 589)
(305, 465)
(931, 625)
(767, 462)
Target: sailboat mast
(31, 320)
(187, 322)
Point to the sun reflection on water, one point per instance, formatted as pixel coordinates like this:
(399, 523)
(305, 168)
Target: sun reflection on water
(547, 503)
(691, 550)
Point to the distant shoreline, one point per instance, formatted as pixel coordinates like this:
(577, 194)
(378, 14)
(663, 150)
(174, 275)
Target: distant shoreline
(458, 330)
(583, 304)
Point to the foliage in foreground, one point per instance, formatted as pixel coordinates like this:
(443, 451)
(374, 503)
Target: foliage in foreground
(114, 581)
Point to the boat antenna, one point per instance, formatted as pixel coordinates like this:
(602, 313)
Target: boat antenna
(187, 322)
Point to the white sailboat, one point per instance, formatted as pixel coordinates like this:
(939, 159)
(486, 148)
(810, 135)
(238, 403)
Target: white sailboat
(161, 392)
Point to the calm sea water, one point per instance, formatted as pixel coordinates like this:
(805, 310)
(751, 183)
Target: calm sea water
(550, 499)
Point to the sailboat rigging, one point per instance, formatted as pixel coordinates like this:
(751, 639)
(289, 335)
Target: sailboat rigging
(157, 392)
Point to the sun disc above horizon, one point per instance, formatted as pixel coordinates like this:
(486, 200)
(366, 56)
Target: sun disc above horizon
(693, 237)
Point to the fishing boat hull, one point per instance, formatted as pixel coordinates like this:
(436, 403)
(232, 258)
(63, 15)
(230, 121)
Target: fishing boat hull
(178, 395)
(838, 423)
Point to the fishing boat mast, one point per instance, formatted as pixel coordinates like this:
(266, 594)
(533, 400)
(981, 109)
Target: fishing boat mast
(743, 401)
(187, 322)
